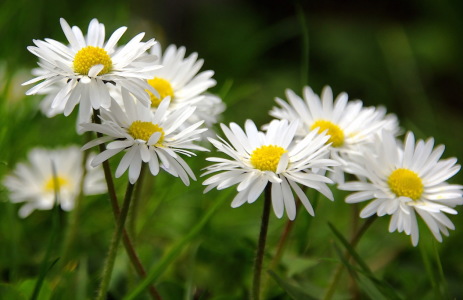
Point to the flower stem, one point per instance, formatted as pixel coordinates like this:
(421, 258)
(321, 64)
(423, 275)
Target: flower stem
(73, 224)
(116, 211)
(111, 258)
(281, 246)
(134, 208)
(353, 242)
(261, 244)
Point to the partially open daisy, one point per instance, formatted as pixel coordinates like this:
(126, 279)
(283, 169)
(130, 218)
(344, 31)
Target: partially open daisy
(179, 79)
(348, 123)
(35, 182)
(146, 136)
(88, 64)
(258, 159)
(403, 182)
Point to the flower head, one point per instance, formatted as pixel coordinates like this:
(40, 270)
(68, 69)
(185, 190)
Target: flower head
(348, 123)
(80, 72)
(259, 158)
(146, 136)
(179, 79)
(403, 182)
(35, 183)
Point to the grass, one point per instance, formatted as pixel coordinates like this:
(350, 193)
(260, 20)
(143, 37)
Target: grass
(193, 245)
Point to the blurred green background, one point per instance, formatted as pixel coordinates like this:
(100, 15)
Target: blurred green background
(404, 55)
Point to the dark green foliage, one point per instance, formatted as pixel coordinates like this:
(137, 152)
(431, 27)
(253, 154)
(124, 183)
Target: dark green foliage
(404, 55)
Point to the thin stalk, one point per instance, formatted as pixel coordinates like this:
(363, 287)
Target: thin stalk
(111, 258)
(261, 244)
(443, 287)
(46, 265)
(107, 169)
(353, 242)
(74, 218)
(134, 208)
(130, 227)
(281, 246)
(175, 250)
(136, 263)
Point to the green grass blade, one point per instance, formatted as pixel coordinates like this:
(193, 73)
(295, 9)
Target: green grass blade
(293, 291)
(175, 251)
(351, 250)
(443, 287)
(364, 276)
(46, 265)
(8, 291)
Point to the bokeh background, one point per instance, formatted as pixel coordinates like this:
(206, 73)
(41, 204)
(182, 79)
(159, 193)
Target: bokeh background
(404, 55)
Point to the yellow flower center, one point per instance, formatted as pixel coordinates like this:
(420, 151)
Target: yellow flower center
(90, 56)
(163, 87)
(336, 134)
(57, 183)
(144, 130)
(404, 182)
(266, 158)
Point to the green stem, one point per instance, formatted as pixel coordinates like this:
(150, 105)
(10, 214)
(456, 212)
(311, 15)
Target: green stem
(443, 288)
(353, 242)
(136, 263)
(261, 244)
(176, 249)
(74, 217)
(46, 265)
(111, 258)
(134, 208)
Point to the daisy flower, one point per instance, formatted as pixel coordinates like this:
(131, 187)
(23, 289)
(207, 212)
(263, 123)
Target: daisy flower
(258, 159)
(84, 68)
(35, 183)
(179, 79)
(348, 123)
(146, 136)
(406, 181)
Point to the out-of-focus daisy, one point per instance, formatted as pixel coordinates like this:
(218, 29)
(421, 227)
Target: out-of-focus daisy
(179, 79)
(258, 159)
(146, 136)
(403, 182)
(35, 182)
(84, 68)
(348, 123)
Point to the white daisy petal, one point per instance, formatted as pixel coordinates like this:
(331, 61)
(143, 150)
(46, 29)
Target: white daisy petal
(347, 124)
(288, 200)
(258, 159)
(405, 182)
(64, 70)
(180, 80)
(277, 200)
(35, 184)
(147, 137)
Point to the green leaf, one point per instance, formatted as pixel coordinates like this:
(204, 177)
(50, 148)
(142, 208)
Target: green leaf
(27, 287)
(10, 292)
(295, 265)
(46, 265)
(372, 286)
(351, 250)
(293, 291)
(175, 250)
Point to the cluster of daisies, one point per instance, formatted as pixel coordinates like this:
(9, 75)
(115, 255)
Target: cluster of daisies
(150, 104)
(318, 140)
(154, 107)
